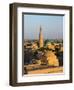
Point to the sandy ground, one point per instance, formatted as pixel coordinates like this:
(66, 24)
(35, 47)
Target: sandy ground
(46, 70)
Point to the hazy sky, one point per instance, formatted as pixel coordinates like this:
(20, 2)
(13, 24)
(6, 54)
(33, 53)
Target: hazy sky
(52, 26)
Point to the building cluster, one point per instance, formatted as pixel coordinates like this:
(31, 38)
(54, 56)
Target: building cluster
(48, 53)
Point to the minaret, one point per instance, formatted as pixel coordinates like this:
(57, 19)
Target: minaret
(40, 38)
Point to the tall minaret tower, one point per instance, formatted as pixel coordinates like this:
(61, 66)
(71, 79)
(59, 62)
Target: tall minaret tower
(40, 38)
